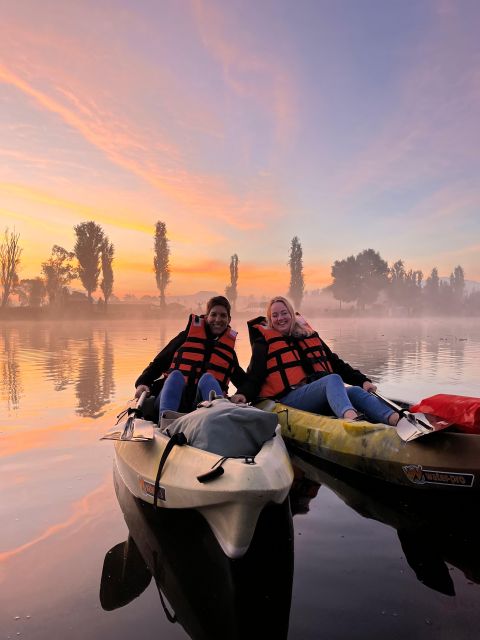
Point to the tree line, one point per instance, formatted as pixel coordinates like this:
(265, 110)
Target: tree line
(366, 278)
(92, 256)
(360, 280)
(90, 261)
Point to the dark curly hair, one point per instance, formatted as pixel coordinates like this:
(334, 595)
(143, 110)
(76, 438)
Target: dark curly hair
(219, 300)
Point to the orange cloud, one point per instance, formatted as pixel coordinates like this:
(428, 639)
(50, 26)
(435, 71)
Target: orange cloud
(83, 211)
(204, 195)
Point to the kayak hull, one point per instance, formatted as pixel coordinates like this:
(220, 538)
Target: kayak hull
(443, 460)
(231, 503)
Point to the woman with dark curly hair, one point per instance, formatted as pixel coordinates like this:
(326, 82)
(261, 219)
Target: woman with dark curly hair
(198, 360)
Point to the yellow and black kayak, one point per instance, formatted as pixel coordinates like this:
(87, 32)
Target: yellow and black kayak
(435, 461)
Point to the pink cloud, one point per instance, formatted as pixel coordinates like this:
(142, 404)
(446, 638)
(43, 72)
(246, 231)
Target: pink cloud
(249, 72)
(88, 105)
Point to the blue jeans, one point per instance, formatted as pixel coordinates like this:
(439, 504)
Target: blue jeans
(330, 392)
(172, 391)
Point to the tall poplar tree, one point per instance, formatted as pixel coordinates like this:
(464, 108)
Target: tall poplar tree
(457, 283)
(106, 285)
(88, 247)
(297, 282)
(161, 260)
(231, 289)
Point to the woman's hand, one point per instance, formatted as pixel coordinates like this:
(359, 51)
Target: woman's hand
(369, 386)
(140, 389)
(238, 398)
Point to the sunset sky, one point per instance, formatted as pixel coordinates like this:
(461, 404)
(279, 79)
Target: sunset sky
(352, 124)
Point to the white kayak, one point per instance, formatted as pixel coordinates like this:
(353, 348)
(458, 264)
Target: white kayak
(230, 502)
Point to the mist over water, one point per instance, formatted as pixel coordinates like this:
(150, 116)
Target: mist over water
(84, 366)
(61, 386)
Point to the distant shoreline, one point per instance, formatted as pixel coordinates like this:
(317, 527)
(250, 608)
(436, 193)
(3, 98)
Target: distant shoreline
(149, 312)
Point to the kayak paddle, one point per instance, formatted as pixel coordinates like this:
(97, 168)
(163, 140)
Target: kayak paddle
(412, 425)
(135, 428)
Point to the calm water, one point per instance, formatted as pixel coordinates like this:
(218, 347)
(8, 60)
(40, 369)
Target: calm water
(72, 554)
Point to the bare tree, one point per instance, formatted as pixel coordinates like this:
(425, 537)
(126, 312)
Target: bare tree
(88, 247)
(106, 285)
(161, 260)
(10, 252)
(231, 289)
(297, 283)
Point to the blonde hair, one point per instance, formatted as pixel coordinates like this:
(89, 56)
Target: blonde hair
(296, 329)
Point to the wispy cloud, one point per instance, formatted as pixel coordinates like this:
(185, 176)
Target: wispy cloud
(433, 131)
(153, 159)
(249, 70)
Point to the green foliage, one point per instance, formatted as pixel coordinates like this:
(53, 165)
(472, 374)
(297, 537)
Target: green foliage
(161, 260)
(88, 247)
(297, 282)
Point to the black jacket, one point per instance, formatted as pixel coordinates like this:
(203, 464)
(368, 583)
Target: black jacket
(257, 369)
(162, 361)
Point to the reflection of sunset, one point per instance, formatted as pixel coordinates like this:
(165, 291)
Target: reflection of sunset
(40, 438)
(82, 511)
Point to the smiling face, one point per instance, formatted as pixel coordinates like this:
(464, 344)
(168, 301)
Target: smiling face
(217, 319)
(281, 318)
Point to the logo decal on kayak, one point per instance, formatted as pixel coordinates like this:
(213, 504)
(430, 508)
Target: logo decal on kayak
(418, 475)
(149, 489)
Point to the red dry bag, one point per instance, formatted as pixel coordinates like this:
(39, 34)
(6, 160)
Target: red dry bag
(462, 411)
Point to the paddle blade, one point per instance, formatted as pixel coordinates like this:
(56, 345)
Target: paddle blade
(408, 430)
(416, 425)
(137, 430)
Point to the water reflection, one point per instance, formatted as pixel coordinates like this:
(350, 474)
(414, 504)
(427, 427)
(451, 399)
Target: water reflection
(10, 382)
(427, 349)
(410, 362)
(434, 532)
(94, 386)
(78, 356)
(200, 588)
(61, 360)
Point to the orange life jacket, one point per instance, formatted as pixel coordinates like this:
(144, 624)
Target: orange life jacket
(192, 358)
(284, 361)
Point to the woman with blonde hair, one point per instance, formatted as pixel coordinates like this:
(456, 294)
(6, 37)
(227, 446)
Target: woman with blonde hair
(292, 364)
